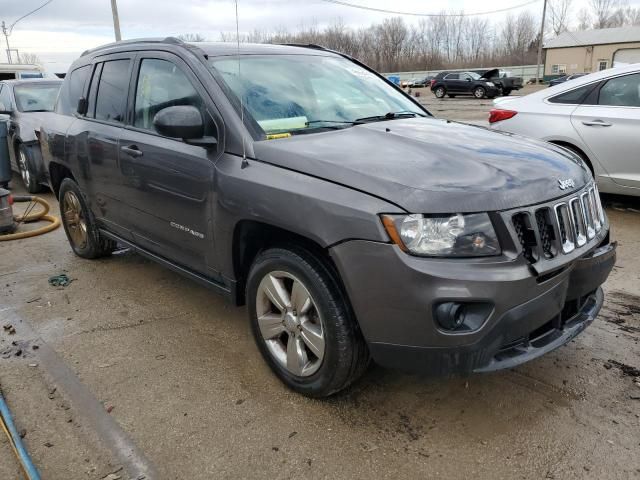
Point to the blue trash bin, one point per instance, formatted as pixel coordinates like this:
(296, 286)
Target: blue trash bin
(5, 165)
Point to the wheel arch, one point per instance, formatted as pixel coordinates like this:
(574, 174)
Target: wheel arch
(576, 149)
(57, 173)
(251, 237)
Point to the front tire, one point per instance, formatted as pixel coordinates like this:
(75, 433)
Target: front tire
(479, 92)
(80, 224)
(440, 92)
(27, 172)
(302, 323)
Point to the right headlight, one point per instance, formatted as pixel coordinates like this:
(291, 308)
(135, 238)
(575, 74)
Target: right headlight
(457, 235)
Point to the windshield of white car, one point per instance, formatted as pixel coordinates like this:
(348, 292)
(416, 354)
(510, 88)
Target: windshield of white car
(302, 93)
(36, 98)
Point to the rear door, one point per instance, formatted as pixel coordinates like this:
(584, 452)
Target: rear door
(452, 82)
(166, 182)
(92, 141)
(610, 128)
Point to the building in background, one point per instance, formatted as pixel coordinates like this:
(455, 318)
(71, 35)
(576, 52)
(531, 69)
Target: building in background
(591, 51)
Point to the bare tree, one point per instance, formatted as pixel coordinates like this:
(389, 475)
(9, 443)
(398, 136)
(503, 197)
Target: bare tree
(603, 11)
(560, 12)
(192, 37)
(30, 58)
(584, 19)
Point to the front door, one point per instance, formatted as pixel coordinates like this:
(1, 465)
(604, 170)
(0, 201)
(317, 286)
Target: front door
(168, 182)
(610, 128)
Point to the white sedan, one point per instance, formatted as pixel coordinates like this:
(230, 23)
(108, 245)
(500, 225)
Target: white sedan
(596, 116)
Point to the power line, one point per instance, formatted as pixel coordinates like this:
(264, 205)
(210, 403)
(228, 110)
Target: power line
(27, 14)
(414, 14)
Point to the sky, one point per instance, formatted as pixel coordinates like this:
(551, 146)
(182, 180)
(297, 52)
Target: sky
(60, 31)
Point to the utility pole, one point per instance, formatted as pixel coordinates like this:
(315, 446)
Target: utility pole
(6, 37)
(544, 14)
(116, 20)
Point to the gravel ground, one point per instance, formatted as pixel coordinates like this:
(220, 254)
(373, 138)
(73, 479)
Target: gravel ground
(137, 368)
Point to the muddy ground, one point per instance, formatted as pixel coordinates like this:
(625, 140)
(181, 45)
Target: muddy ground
(134, 371)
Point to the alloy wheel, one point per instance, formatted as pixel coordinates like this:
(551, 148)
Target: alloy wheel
(74, 219)
(24, 169)
(290, 323)
(478, 92)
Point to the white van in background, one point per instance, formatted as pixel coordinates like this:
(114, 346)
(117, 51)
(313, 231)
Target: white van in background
(15, 71)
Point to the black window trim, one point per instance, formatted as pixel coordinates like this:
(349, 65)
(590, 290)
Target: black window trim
(211, 108)
(97, 69)
(593, 84)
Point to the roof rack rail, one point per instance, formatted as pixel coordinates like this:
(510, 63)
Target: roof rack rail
(171, 40)
(306, 45)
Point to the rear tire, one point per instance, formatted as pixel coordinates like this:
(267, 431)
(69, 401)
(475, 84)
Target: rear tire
(506, 92)
(80, 224)
(440, 92)
(27, 170)
(302, 323)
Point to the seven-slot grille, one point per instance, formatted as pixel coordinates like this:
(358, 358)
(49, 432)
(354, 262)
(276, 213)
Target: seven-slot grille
(559, 228)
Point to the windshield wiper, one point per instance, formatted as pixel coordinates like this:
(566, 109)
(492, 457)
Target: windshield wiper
(343, 122)
(390, 116)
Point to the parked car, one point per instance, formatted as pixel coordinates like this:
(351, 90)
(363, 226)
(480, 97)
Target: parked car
(24, 101)
(596, 116)
(421, 82)
(16, 71)
(462, 83)
(303, 194)
(564, 78)
(503, 80)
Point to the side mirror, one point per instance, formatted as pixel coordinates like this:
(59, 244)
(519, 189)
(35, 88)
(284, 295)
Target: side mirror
(468, 79)
(83, 106)
(185, 122)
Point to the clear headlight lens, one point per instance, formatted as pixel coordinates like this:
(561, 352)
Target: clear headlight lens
(457, 235)
(491, 84)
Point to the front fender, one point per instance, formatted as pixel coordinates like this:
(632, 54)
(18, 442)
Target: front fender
(319, 210)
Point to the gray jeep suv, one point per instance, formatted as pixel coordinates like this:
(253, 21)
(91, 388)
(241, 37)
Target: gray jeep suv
(352, 223)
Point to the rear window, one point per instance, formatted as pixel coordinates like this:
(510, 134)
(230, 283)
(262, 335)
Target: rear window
(575, 96)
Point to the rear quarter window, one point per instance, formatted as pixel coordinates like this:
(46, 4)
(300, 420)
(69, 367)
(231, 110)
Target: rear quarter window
(575, 96)
(72, 90)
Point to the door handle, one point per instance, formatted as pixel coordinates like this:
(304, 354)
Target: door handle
(132, 151)
(596, 123)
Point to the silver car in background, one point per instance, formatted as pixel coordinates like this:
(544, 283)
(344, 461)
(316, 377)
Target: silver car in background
(597, 116)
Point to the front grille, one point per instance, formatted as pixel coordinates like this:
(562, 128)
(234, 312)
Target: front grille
(561, 227)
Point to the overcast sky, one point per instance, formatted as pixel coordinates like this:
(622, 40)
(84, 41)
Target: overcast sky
(64, 28)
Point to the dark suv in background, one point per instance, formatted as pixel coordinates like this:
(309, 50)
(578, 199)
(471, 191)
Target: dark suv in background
(352, 223)
(463, 83)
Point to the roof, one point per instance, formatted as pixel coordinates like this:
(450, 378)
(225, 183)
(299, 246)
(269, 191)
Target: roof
(53, 81)
(595, 37)
(18, 66)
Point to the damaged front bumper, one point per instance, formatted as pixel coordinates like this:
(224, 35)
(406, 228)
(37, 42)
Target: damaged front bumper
(529, 315)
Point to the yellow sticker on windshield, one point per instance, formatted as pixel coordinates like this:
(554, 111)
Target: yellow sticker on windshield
(275, 136)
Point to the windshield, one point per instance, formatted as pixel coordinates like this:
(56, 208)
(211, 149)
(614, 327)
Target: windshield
(474, 75)
(36, 98)
(302, 93)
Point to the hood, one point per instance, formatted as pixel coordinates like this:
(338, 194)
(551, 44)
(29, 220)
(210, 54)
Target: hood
(489, 74)
(425, 165)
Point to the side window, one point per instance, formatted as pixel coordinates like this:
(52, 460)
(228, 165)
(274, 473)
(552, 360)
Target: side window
(621, 91)
(111, 98)
(72, 90)
(452, 76)
(5, 96)
(162, 84)
(575, 96)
